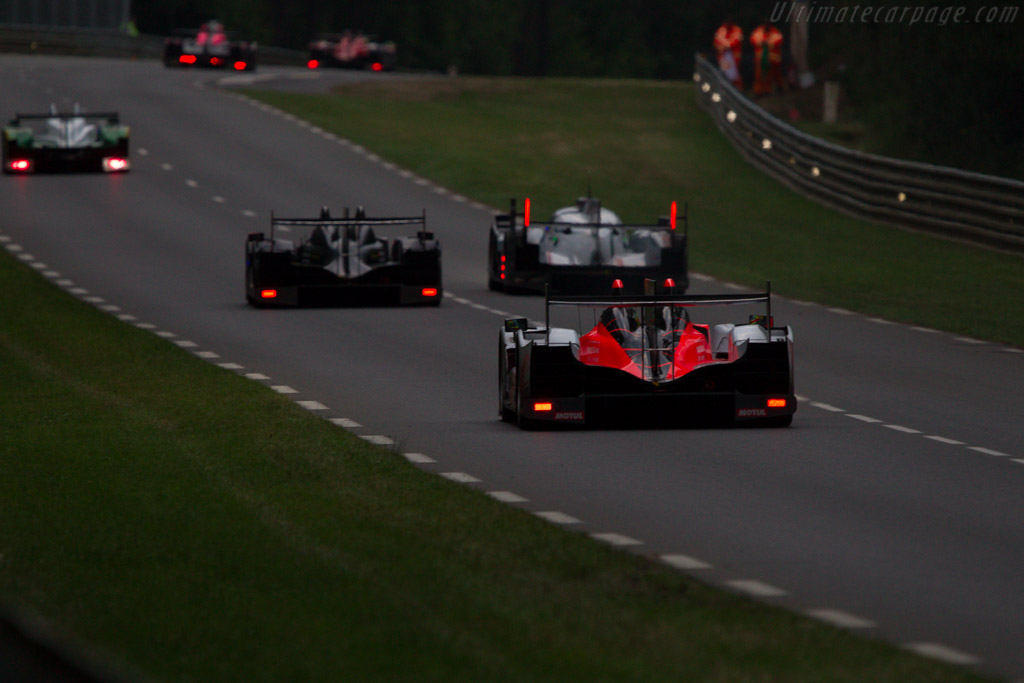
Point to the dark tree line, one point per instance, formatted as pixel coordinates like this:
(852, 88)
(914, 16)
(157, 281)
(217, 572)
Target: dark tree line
(948, 94)
(951, 94)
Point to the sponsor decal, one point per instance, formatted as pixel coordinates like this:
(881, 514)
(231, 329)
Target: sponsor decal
(752, 412)
(570, 415)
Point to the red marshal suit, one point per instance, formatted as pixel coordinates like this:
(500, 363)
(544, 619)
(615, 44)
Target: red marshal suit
(767, 42)
(729, 46)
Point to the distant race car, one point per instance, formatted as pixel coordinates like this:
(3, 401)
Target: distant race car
(343, 262)
(66, 141)
(209, 46)
(351, 50)
(644, 362)
(582, 248)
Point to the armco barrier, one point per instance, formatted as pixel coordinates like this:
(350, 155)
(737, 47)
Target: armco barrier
(983, 209)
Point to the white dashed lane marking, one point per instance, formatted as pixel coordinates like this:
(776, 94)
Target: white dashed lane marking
(942, 653)
(684, 562)
(345, 422)
(756, 588)
(507, 497)
(901, 428)
(556, 517)
(840, 618)
(419, 458)
(378, 439)
(617, 540)
(460, 477)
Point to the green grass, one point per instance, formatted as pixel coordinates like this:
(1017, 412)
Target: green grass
(194, 525)
(638, 145)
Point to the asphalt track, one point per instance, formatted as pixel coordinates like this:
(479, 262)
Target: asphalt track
(892, 507)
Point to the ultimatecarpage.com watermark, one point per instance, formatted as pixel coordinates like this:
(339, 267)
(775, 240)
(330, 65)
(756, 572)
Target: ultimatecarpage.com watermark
(814, 13)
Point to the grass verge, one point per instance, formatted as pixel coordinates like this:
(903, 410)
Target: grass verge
(197, 526)
(638, 145)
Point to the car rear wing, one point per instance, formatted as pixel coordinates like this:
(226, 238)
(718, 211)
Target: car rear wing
(651, 300)
(668, 223)
(110, 116)
(360, 219)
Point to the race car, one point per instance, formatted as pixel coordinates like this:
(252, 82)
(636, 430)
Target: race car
(66, 141)
(645, 362)
(209, 46)
(343, 262)
(351, 50)
(583, 247)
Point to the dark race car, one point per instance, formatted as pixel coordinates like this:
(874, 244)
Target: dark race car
(645, 362)
(582, 248)
(210, 46)
(343, 262)
(66, 141)
(351, 50)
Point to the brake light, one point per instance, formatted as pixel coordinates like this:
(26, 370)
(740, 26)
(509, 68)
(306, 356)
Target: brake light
(526, 212)
(670, 284)
(187, 59)
(429, 291)
(268, 294)
(377, 66)
(240, 66)
(313, 64)
(618, 286)
(114, 164)
(672, 216)
(542, 407)
(776, 403)
(214, 61)
(20, 165)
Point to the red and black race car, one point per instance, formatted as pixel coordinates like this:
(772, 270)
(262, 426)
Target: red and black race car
(351, 50)
(645, 362)
(209, 46)
(344, 261)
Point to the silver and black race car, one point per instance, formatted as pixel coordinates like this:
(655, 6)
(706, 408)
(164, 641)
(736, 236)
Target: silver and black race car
(344, 261)
(583, 247)
(645, 362)
(66, 141)
(209, 46)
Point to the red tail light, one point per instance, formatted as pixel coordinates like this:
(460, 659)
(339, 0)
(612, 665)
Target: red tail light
(214, 61)
(618, 286)
(672, 216)
(377, 66)
(115, 164)
(776, 403)
(526, 212)
(240, 66)
(268, 294)
(429, 291)
(313, 64)
(21, 165)
(187, 59)
(542, 407)
(670, 284)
